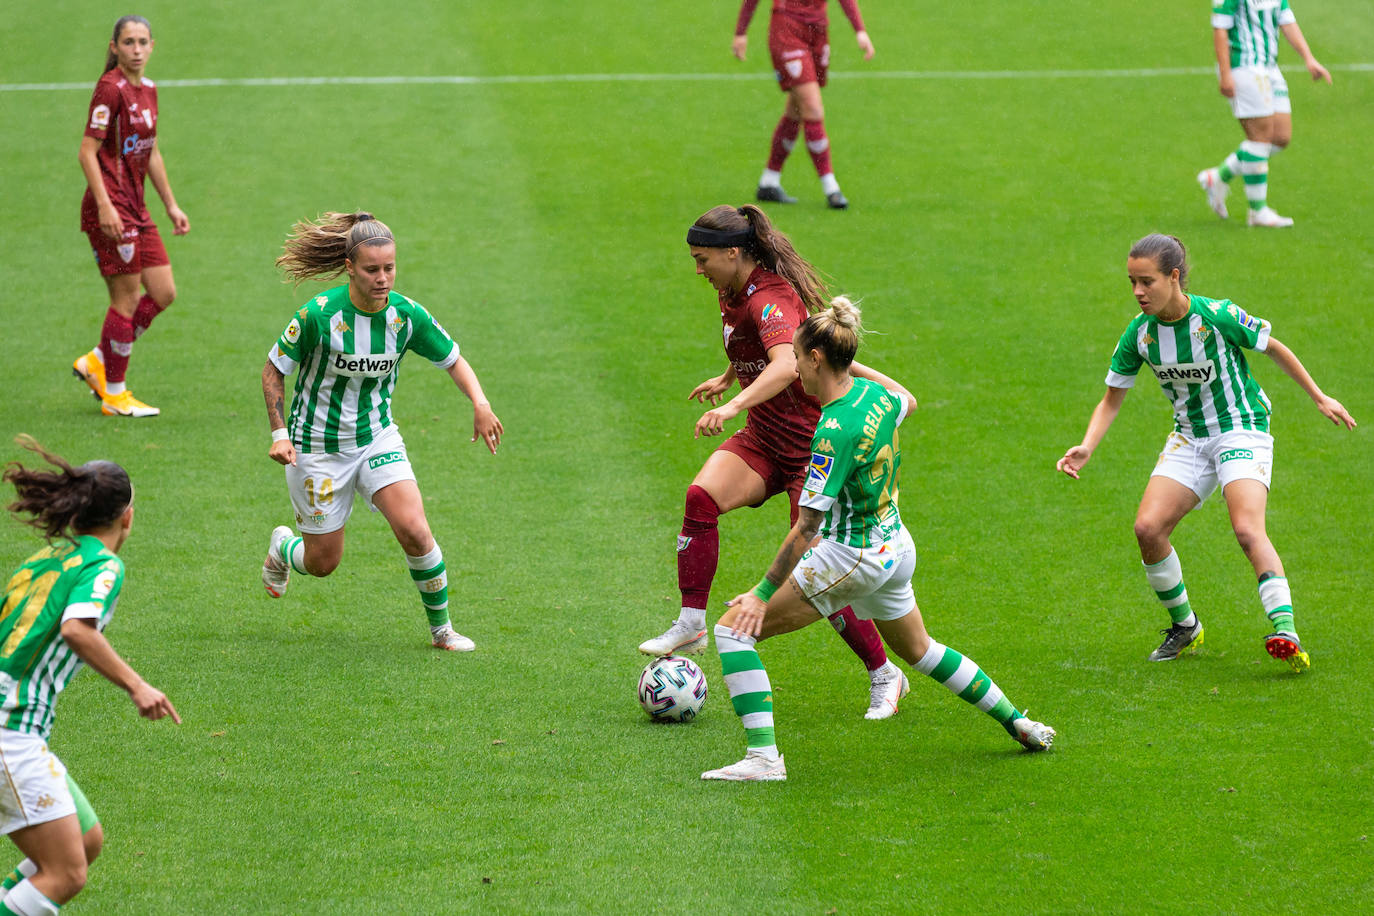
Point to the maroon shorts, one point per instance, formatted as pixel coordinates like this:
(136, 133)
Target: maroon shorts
(779, 475)
(800, 51)
(140, 247)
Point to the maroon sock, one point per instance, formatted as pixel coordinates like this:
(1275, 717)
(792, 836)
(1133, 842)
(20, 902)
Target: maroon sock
(784, 138)
(147, 310)
(862, 636)
(698, 548)
(818, 144)
(116, 343)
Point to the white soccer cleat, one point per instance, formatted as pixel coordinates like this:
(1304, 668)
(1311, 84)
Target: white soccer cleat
(276, 574)
(449, 639)
(753, 768)
(679, 640)
(889, 685)
(1210, 180)
(1033, 735)
(1268, 219)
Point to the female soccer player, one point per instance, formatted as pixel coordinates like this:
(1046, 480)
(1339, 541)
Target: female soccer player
(864, 557)
(765, 290)
(347, 343)
(118, 149)
(56, 606)
(1245, 35)
(1196, 348)
(799, 43)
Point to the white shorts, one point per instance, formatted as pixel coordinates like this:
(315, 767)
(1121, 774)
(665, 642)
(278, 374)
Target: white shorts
(1203, 464)
(1260, 92)
(33, 789)
(322, 484)
(874, 581)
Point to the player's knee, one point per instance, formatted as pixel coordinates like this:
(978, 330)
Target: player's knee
(700, 509)
(93, 840)
(1251, 537)
(68, 878)
(320, 566)
(165, 297)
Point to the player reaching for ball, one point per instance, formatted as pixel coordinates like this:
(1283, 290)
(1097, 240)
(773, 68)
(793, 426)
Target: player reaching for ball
(345, 346)
(1196, 348)
(799, 44)
(119, 148)
(864, 557)
(764, 289)
(57, 605)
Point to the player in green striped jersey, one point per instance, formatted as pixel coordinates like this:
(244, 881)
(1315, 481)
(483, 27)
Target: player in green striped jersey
(848, 547)
(345, 346)
(1245, 37)
(55, 608)
(1196, 349)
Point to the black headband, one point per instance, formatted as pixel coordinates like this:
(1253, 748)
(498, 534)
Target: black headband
(716, 238)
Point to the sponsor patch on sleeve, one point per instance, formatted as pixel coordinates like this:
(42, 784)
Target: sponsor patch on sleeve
(1246, 320)
(818, 472)
(773, 325)
(100, 117)
(293, 331)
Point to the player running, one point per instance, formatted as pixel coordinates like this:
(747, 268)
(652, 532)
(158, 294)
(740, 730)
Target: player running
(347, 343)
(864, 558)
(57, 605)
(1196, 349)
(765, 290)
(117, 150)
(799, 43)
(1245, 35)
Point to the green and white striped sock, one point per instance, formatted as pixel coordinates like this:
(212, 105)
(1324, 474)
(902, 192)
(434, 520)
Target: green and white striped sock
(1278, 603)
(967, 681)
(1254, 168)
(293, 554)
(432, 580)
(750, 692)
(1230, 168)
(1166, 578)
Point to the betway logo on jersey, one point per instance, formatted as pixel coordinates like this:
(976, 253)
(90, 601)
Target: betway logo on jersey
(1192, 373)
(365, 366)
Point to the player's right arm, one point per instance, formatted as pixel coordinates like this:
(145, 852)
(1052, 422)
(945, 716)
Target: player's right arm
(110, 223)
(1223, 18)
(1103, 414)
(274, 393)
(712, 389)
(740, 43)
(780, 372)
(859, 370)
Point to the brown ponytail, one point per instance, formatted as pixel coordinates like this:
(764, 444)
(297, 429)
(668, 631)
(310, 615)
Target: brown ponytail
(70, 500)
(771, 248)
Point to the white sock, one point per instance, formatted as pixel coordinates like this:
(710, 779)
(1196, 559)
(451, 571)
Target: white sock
(829, 184)
(770, 179)
(693, 618)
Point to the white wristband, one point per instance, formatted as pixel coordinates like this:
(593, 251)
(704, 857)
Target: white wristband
(279, 434)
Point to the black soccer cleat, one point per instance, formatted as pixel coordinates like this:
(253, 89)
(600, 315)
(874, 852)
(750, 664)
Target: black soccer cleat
(837, 201)
(774, 194)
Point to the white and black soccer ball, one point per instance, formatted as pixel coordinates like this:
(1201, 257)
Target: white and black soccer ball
(672, 689)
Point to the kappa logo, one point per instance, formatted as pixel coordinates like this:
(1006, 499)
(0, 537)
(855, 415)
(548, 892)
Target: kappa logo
(100, 117)
(1233, 453)
(1148, 339)
(825, 446)
(341, 326)
(46, 801)
(1191, 373)
(321, 300)
(832, 423)
(293, 331)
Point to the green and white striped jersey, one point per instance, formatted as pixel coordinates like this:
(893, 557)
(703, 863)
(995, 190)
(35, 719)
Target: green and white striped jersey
(348, 360)
(1253, 29)
(63, 581)
(1200, 363)
(855, 464)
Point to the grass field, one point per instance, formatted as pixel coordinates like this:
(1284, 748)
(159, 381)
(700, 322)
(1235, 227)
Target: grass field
(331, 762)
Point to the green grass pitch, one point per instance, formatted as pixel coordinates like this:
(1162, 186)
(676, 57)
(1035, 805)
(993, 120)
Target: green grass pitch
(331, 762)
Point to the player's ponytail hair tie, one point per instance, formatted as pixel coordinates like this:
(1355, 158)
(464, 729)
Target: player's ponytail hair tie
(702, 237)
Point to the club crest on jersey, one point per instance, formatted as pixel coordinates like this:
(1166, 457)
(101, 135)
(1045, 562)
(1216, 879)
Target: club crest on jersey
(398, 323)
(729, 329)
(100, 117)
(818, 472)
(1202, 333)
(293, 331)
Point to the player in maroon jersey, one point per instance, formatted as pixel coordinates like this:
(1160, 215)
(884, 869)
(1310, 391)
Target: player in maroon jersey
(118, 149)
(800, 47)
(766, 291)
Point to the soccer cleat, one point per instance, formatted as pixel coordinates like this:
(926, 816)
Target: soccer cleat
(1210, 180)
(836, 201)
(276, 573)
(1177, 640)
(1033, 735)
(774, 194)
(1286, 648)
(680, 639)
(1267, 218)
(445, 637)
(125, 404)
(90, 368)
(889, 685)
(753, 768)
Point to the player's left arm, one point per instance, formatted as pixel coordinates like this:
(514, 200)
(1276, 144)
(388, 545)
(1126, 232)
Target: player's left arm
(1293, 33)
(851, 12)
(748, 610)
(157, 170)
(1288, 361)
(485, 424)
(91, 646)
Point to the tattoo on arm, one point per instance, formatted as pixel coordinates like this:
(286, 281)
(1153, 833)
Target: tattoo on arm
(273, 392)
(794, 546)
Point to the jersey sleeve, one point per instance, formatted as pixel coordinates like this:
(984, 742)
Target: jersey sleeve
(104, 105)
(851, 12)
(1242, 329)
(775, 322)
(832, 461)
(1223, 14)
(95, 590)
(1285, 16)
(430, 340)
(295, 340)
(746, 13)
(1126, 361)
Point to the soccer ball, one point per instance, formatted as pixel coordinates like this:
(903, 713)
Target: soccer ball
(672, 689)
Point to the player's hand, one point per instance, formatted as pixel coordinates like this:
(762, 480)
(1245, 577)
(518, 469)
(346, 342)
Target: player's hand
(710, 390)
(283, 452)
(153, 703)
(181, 224)
(1227, 85)
(1335, 412)
(1318, 71)
(865, 44)
(110, 223)
(746, 614)
(1073, 461)
(738, 45)
(712, 423)
(486, 426)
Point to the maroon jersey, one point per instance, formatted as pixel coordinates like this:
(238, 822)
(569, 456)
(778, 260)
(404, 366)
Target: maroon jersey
(811, 12)
(766, 313)
(124, 118)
